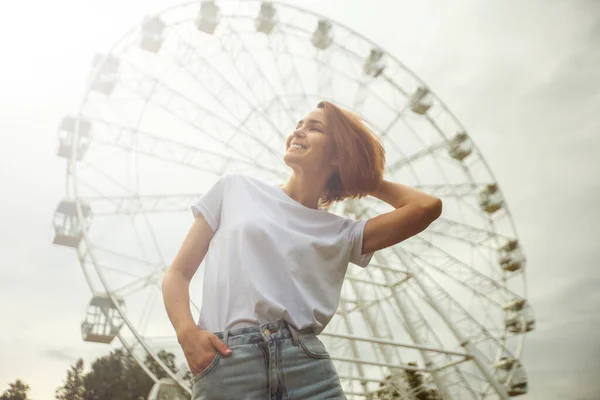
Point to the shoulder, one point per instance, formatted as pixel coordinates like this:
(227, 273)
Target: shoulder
(240, 180)
(239, 177)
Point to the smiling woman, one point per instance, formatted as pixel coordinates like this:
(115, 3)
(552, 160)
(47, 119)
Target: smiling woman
(208, 88)
(291, 258)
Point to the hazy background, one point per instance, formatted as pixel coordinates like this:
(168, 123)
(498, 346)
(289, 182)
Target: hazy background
(522, 76)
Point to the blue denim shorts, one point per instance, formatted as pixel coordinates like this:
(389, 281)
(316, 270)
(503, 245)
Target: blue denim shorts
(272, 361)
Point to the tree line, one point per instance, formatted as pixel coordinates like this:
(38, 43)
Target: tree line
(118, 376)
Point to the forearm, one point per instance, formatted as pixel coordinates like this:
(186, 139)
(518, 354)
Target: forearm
(398, 195)
(176, 296)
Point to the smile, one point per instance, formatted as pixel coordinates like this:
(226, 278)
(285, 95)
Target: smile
(297, 146)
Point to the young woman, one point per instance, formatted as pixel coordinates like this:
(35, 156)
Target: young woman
(276, 261)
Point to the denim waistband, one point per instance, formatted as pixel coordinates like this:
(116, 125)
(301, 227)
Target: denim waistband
(277, 330)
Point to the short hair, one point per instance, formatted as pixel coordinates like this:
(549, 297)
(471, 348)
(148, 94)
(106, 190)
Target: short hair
(360, 154)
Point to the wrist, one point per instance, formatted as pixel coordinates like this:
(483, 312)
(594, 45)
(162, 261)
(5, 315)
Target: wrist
(184, 329)
(380, 191)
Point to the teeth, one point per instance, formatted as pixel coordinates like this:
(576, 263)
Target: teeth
(297, 146)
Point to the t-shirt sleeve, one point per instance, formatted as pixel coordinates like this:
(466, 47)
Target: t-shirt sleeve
(211, 204)
(356, 242)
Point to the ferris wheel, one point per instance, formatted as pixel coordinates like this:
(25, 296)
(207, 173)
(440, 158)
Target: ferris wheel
(205, 88)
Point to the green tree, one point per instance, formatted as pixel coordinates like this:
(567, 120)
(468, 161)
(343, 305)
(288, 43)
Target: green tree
(390, 388)
(16, 391)
(73, 388)
(116, 377)
(416, 381)
(167, 358)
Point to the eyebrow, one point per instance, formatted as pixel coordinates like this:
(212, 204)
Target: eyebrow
(311, 120)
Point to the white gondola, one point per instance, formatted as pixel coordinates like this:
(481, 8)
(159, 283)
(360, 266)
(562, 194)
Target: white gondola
(520, 321)
(460, 146)
(511, 374)
(419, 101)
(102, 321)
(514, 305)
(66, 135)
(68, 229)
(265, 22)
(152, 34)
(374, 65)
(208, 17)
(505, 363)
(322, 37)
(166, 389)
(510, 256)
(105, 72)
(490, 199)
(518, 385)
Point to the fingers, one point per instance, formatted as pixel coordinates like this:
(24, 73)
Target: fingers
(220, 346)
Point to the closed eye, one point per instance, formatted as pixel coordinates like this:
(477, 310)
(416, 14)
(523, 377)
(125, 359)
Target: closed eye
(312, 123)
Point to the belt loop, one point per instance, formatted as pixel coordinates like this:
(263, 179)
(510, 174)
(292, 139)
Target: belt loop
(294, 333)
(225, 337)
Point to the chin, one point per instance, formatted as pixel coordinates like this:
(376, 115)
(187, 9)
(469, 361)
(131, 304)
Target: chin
(288, 159)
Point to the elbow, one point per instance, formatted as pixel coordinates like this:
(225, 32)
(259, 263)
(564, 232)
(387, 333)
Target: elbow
(433, 208)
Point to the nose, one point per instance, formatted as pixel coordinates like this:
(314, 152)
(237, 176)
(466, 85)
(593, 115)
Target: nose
(299, 133)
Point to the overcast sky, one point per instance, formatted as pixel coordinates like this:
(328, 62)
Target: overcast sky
(522, 76)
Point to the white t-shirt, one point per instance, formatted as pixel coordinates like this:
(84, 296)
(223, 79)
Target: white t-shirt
(272, 257)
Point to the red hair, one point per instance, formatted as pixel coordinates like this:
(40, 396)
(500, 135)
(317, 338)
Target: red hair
(360, 155)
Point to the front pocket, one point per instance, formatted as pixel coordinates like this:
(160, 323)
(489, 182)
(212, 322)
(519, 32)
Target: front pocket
(209, 368)
(313, 347)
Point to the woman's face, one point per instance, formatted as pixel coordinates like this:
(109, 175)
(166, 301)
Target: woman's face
(309, 146)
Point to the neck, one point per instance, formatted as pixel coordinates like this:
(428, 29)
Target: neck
(306, 190)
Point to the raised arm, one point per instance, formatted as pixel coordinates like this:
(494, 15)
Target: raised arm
(414, 211)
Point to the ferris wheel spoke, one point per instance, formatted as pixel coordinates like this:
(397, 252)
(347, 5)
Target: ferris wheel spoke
(415, 319)
(85, 166)
(465, 323)
(109, 268)
(470, 234)
(255, 79)
(353, 58)
(422, 331)
(139, 284)
(424, 152)
(290, 78)
(406, 161)
(478, 239)
(224, 93)
(459, 190)
(370, 315)
(471, 279)
(130, 139)
(126, 257)
(135, 204)
(324, 74)
(194, 114)
(417, 326)
(393, 122)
